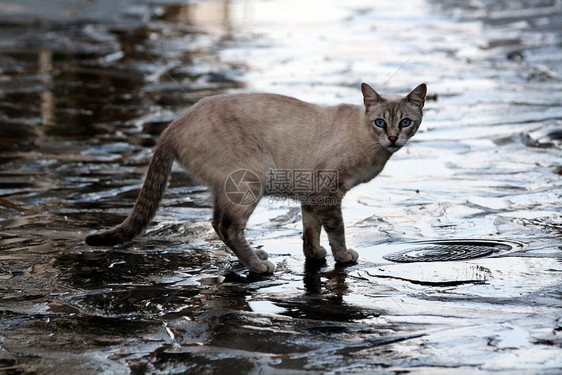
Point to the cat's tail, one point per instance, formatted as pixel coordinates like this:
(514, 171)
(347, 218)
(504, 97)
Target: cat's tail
(147, 202)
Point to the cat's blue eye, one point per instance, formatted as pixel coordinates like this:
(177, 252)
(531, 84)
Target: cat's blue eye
(380, 123)
(405, 122)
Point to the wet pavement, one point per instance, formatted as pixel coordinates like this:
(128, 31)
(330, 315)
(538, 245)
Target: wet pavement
(85, 89)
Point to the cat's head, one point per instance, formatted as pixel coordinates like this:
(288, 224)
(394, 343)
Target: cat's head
(392, 120)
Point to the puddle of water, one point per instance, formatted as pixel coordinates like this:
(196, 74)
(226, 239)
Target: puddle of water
(438, 274)
(86, 88)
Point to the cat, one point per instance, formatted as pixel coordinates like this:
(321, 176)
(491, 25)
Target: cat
(237, 144)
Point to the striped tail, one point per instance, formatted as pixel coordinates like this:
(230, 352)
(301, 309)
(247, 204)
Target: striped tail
(146, 205)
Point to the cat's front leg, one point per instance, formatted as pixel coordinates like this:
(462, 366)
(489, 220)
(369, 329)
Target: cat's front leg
(331, 218)
(311, 234)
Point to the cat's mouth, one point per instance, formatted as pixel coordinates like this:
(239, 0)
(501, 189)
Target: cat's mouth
(393, 148)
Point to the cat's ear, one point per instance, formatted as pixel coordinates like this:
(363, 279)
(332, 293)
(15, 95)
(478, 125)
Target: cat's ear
(417, 96)
(370, 96)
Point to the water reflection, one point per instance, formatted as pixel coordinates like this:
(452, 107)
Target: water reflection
(47, 102)
(99, 269)
(324, 297)
(70, 98)
(211, 17)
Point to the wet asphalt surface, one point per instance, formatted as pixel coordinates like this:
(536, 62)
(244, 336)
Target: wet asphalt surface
(85, 89)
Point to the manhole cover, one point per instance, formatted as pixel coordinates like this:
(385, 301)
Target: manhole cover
(442, 251)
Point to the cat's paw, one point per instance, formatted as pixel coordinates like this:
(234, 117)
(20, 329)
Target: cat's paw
(347, 256)
(261, 254)
(318, 253)
(263, 266)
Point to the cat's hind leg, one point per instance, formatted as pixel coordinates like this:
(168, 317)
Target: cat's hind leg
(217, 220)
(230, 221)
(311, 234)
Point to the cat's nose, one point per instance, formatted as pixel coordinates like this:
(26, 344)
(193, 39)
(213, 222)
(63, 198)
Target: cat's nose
(392, 139)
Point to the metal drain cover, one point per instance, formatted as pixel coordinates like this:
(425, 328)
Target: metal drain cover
(443, 251)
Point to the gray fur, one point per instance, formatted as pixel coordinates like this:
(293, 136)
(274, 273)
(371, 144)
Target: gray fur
(266, 132)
